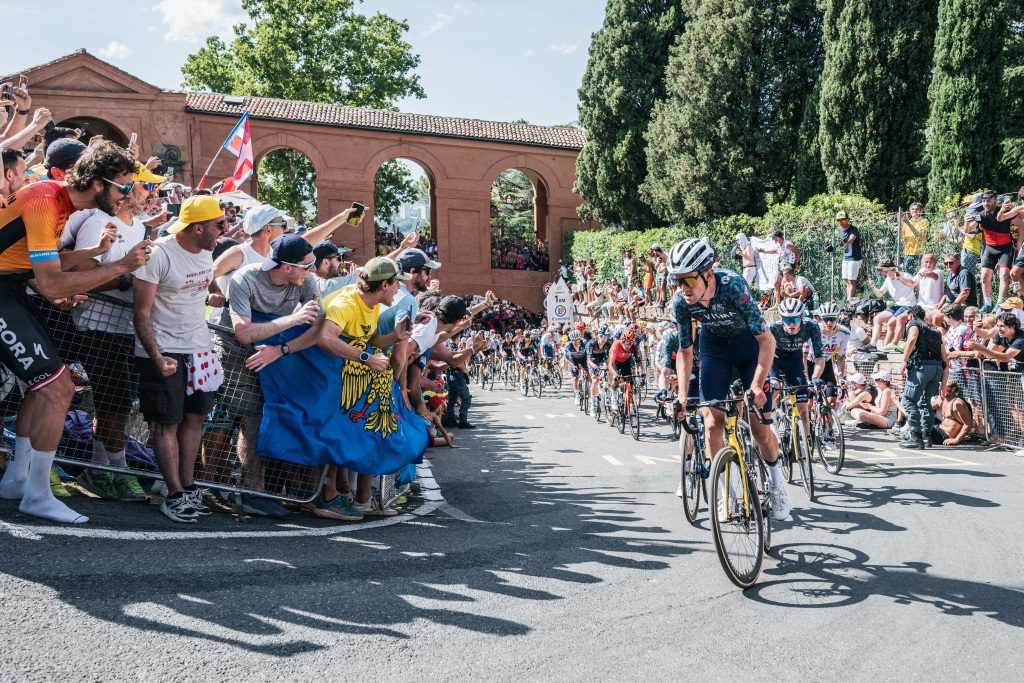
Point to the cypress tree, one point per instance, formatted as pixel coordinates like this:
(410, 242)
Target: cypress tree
(810, 176)
(965, 124)
(874, 94)
(1012, 171)
(725, 135)
(623, 80)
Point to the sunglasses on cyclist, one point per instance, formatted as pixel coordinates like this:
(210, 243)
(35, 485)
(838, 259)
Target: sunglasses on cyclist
(791, 321)
(125, 189)
(688, 280)
(829, 319)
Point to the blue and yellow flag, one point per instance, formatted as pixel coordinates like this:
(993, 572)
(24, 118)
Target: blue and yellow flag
(322, 410)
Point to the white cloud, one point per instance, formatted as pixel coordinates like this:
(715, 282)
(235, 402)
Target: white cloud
(438, 24)
(192, 21)
(530, 52)
(114, 50)
(563, 48)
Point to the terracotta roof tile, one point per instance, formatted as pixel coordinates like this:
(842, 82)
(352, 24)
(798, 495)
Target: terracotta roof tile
(381, 119)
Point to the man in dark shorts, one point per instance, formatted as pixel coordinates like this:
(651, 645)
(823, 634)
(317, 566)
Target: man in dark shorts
(179, 373)
(31, 223)
(998, 251)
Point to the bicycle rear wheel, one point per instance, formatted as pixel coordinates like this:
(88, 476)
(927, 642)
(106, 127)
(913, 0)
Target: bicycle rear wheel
(829, 439)
(783, 432)
(556, 376)
(634, 415)
(690, 464)
(598, 402)
(536, 383)
(802, 451)
(738, 529)
(623, 409)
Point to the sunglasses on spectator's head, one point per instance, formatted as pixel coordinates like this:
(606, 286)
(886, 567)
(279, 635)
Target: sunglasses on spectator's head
(278, 224)
(829, 319)
(791, 321)
(304, 266)
(125, 189)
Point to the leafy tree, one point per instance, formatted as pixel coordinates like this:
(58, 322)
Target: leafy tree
(724, 138)
(1013, 92)
(965, 124)
(810, 176)
(623, 80)
(874, 88)
(287, 180)
(311, 50)
(512, 196)
(392, 186)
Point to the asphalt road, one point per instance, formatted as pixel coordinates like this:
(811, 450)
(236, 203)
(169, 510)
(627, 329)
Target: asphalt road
(560, 552)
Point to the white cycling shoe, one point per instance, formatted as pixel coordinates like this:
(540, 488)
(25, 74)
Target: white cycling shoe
(780, 504)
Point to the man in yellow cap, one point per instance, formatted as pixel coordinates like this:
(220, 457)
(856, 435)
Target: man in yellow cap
(179, 373)
(108, 326)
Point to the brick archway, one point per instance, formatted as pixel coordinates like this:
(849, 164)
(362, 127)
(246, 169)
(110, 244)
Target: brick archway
(347, 146)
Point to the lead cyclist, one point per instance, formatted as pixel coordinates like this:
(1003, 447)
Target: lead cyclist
(734, 338)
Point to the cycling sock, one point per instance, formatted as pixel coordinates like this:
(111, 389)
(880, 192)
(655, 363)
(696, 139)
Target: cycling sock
(12, 487)
(99, 453)
(775, 472)
(988, 301)
(38, 499)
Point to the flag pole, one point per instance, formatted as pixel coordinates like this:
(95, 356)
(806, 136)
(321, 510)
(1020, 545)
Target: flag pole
(202, 180)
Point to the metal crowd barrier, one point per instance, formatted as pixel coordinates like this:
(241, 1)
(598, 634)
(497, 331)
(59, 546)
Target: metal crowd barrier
(106, 385)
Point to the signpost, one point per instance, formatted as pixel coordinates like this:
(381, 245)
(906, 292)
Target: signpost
(558, 303)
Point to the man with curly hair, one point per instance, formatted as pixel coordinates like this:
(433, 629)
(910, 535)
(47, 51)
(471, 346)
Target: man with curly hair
(31, 223)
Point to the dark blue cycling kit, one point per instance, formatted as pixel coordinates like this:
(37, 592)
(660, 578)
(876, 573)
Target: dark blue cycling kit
(729, 324)
(577, 355)
(667, 350)
(789, 354)
(597, 354)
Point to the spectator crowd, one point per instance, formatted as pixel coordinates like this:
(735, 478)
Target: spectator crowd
(213, 344)
(515, 253)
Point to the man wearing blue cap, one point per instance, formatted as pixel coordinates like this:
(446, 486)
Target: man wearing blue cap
(262, 224)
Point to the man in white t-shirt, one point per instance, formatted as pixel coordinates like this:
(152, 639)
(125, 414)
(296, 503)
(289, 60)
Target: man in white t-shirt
(105, 327)
(899, 286)
(931, 289)
(796, 286)
(178, 370)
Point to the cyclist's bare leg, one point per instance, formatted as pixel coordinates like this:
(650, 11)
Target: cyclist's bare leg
(766, 441)
(805, 415)
(714, 429)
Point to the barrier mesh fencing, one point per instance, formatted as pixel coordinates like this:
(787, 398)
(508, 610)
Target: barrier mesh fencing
(97, 343)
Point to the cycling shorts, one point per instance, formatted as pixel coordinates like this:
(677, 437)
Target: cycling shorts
(626, 369)
(548, 351)
(720, 358)
(791, 368)
(578, 368)
(828, 376)
(1000, 256)
(578, 361)
(25, 346)
(528, 353)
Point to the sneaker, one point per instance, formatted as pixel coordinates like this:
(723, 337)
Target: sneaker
(179, 509)
(336, 508)
(129, 490)
(98, 483)
(372, 508)
(57, 486)
(987, 308)
(216, 502)
(400, 500)
(889, 348)
(851, 423)
(780, 504)
(159, 488)
(868, 348)
(195, 497)
(466, 425)
(914, 441)
(262, 507)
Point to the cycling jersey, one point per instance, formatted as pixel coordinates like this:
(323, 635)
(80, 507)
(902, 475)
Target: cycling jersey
(526, 351)
(832, 345)
(667, 350)
(31, 223)
(793, 344)
(620, 354)
(598, 355)
(577, 355)
(731, 312)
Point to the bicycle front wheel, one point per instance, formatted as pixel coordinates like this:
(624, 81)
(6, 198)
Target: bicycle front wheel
(623, 409)
(556, 377)
(802, 449)
(634, 415)
(829, 439)
(690, 455)
(738, 526)
(537, 384)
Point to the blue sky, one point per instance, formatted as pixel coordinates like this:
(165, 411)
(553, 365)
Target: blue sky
(488, 59)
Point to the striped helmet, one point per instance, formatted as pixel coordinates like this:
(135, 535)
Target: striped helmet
(693, 255)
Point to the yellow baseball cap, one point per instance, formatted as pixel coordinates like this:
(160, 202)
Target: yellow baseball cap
(1012, 303)
(144, 175)
(196, 209)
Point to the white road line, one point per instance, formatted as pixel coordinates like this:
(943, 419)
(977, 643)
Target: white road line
(529, 417)
(555, 416)
(612, 459)
(650, 460)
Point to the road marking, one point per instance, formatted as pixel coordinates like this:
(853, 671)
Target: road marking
(555, 416)
(612, 459)
(651, 460)
(529, 417)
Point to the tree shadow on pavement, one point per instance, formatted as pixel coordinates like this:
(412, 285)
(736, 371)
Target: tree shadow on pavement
(823, 576)
(538, 537)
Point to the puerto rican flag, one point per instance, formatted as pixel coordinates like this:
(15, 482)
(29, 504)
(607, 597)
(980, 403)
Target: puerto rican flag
(239, 143)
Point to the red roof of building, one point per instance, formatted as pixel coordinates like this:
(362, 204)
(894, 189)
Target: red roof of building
(382, 119)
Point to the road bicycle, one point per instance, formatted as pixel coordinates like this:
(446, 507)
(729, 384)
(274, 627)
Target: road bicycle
(600, 399)
(829, 440)
(551, 373)
(795, 451)
(627, 407)
(695, 465)
(740, 505)
(582, 391)
(486, 369)
(532, 383)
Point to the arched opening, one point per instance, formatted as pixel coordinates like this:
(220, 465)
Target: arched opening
(519, 208)
(403, 203)
(286, 179)
(93, 126)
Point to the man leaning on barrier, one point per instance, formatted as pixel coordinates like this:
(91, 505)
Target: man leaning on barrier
(31, 222)
(179, 373)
